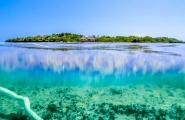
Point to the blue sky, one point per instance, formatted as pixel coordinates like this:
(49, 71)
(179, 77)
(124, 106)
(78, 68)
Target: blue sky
(156, 18)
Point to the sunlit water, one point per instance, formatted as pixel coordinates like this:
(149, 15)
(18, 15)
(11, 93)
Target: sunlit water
(133, 70)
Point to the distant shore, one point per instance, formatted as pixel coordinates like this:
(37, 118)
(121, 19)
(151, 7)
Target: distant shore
(70, 37)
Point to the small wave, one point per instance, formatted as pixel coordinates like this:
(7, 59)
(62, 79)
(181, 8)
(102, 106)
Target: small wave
(40, 45)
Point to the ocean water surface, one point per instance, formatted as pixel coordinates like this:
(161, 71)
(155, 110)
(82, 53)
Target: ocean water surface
(75, 81)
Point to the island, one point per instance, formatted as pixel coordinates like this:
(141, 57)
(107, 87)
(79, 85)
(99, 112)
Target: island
(70, 37)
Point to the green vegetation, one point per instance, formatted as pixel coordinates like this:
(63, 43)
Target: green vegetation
(69, 37)
(65, 37)
(145, 39)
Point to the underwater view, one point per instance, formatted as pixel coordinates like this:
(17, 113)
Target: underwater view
(94, 81)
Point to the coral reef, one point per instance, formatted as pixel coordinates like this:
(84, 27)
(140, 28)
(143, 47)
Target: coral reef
(101, 103)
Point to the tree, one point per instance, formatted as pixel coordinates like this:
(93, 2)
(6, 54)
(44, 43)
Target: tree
(69, 37)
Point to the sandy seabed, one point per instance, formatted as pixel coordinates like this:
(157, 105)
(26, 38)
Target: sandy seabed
(140, 102)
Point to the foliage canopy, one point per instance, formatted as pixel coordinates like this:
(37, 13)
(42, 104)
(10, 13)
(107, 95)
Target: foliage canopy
(70, 37)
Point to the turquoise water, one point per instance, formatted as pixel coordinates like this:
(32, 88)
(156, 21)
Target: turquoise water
(96, 66)
(91, 65)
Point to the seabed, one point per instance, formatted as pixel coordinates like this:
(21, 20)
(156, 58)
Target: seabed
(87, 102)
